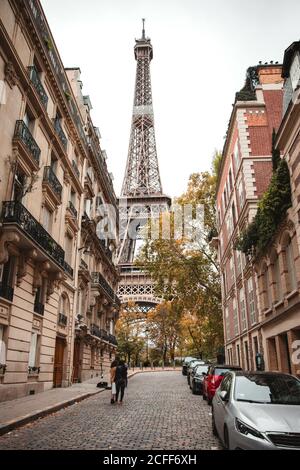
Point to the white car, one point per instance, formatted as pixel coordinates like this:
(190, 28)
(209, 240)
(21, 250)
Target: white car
(257, 410)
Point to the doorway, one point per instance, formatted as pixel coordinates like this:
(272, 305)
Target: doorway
(59, 362)
(76, 362)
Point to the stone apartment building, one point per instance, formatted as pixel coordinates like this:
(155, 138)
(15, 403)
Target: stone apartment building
(58, 279)
(245, 173)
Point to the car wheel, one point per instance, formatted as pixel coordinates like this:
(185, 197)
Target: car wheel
(226, 438)
(209, 401)
(204, 396)
(194, 390)
(214, 429)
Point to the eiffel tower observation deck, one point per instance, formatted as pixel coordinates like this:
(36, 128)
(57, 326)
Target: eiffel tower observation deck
(142, 195)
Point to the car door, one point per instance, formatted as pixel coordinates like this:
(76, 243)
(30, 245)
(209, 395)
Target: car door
(220, 406)
(207, 378)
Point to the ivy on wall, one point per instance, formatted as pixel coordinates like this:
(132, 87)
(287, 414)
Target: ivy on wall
(271, 210)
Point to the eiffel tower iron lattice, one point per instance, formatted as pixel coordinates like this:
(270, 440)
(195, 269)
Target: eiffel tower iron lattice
(142, 195)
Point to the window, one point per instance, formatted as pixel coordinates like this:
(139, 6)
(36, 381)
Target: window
(227, 324)
(239, 262)
(247, 355)
(238, 356)
(243, 310)
(19, 185)
(255, 344)
(235, 318)
(230, 181)
(47, 219)
(241, 194)
(266, 288)
(2, 346)
(7, 279)
(33, 361)
(277, 279)
(251, 301)
(236, 155)
(233, 214)
(39, 300)
(231, 264)
(68, 249)
(291, 266)
(87, 207)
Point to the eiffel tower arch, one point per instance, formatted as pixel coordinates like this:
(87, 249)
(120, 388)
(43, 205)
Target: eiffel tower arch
(142, 197)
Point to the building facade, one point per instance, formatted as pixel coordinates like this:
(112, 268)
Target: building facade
(278, 269)
(57, 274)
(246, 169)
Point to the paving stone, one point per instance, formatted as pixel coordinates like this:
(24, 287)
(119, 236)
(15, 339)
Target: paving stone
(159, 412)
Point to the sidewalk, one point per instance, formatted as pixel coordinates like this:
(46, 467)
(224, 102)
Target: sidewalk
(18, 412)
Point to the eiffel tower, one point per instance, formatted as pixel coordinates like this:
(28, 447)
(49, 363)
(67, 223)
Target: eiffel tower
(142, 195)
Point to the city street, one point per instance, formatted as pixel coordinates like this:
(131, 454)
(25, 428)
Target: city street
(159, 412)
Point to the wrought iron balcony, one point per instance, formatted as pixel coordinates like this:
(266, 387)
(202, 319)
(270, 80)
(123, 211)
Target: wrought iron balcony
(76, 169)
(23, 134)
(39, 308)
(72, 209)
(98, 279)
(68, 269)
(14, 212)
(35, 79)
(62, 319)
(60, 132)
(51, 178)
(112, 339)
(33, 370)
(95, 330)
(6, 292)
(83, 264)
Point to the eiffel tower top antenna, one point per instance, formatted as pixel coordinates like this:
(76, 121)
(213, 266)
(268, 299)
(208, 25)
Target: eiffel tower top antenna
(143, 31)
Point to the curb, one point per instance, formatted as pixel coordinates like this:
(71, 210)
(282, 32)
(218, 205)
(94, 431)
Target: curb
(11, 425)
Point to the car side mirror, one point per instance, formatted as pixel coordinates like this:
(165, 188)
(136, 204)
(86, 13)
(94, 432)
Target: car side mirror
(224, 395)
(204, 374)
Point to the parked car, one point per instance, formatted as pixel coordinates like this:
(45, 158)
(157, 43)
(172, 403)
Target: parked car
(213, 378)
(197, 378)
(257, 410)
(185, 364)
(191, 366)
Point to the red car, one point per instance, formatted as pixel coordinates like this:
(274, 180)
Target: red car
(213, 378)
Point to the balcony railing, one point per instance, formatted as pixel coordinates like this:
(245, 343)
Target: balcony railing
(51, 178)
(14, 212)
(97, 278)
(68, 269)
(39, 308)
(34, 77)
(112, 339)
(33, 370)
(72, 209)
(62, 319)
(75, 168)
(60, 132)
(83, 264)
(23, 133)
(6, 292)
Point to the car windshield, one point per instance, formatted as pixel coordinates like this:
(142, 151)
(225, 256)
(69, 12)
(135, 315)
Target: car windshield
(200, 369)
(271, 389)
(219, 371)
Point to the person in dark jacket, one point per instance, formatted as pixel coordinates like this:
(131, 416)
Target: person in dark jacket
(121, 381)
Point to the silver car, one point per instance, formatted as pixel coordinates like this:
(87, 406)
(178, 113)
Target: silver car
(257, 410)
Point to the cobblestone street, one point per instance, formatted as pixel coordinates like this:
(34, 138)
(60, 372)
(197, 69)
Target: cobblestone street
(159, 412)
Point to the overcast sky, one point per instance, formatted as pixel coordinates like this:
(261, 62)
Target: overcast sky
(201, 52)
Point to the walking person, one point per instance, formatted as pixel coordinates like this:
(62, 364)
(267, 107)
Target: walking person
(121, 381)
(113, 369)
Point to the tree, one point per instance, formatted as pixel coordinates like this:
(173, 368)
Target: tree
(188, 273)
(129, 333)
(164, 328)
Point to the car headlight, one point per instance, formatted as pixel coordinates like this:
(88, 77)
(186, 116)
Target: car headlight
(245, 429)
